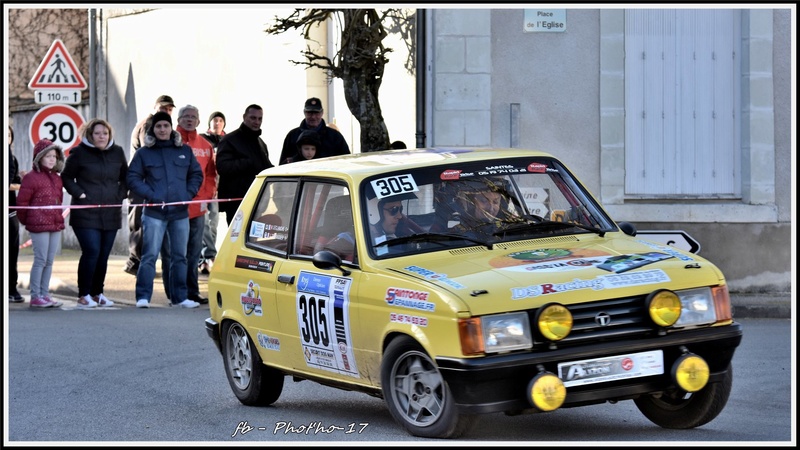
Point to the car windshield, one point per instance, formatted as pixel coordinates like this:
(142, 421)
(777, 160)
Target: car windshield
(495, 201)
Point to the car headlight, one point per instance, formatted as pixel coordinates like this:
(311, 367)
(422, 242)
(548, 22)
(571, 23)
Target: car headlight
(697, 307)
(506, 332)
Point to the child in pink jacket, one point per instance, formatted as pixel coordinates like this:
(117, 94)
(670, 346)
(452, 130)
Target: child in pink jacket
(42, 187)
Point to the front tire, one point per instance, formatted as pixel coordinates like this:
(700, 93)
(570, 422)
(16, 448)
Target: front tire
(416, 394)
(680, 410)
(253, 383)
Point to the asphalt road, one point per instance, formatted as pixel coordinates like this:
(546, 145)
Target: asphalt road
(126, 375)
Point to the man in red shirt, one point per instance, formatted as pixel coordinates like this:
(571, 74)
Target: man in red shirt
(188, 119)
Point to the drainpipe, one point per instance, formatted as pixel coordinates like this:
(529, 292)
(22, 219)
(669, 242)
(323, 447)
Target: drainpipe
(421, 66)
(92, 62)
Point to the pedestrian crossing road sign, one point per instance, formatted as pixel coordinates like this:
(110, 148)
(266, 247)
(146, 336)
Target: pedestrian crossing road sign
(57, 70)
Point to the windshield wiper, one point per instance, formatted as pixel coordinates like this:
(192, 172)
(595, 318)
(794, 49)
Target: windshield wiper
(433, 237)
(545, 225)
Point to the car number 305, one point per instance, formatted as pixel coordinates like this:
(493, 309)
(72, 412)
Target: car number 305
(313, 320)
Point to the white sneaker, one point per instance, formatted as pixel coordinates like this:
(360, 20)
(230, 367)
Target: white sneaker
(102, 300)
(188, 304)
(86, 302)
(142, 303)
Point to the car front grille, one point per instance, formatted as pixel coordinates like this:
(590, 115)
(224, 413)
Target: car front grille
(606, 320)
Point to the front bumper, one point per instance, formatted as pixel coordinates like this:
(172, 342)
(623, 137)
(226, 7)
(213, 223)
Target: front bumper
(498, 383)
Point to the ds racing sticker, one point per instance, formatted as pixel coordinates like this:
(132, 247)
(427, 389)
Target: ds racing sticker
(323, 320)
(602, 282)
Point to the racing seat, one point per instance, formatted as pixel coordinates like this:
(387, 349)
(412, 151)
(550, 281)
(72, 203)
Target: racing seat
(337, 232)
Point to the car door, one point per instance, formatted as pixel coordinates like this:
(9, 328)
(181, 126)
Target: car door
(316, 306)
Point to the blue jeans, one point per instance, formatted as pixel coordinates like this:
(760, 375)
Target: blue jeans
(196, 228)
(153, 233)
(96, 246)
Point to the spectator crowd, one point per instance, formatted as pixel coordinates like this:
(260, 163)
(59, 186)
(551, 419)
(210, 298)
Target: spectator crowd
(177, 181)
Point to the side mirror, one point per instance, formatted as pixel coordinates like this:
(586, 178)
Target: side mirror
(326, 259)
(627, 228)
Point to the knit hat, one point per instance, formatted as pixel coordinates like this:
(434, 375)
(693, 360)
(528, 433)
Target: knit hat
(44, 146)
(216, 114)
(158, 117)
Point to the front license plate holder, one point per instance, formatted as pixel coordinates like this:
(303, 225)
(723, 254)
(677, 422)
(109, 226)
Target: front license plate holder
(611, 368)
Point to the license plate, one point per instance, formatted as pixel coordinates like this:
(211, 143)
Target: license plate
(599, 370)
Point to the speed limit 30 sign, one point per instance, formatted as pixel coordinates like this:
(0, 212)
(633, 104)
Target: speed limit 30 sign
(58, 123)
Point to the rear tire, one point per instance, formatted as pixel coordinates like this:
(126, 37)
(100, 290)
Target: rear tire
(253, 383)
(417, 395)
(682, 410)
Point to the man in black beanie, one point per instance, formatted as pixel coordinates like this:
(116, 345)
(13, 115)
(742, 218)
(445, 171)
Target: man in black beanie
(160, 175)
(216, 130)
(164, 104)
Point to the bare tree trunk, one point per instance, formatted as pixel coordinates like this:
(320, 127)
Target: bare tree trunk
(363, 48)
(359, 62)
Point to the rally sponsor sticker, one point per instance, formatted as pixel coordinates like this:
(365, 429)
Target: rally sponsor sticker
(599, 370)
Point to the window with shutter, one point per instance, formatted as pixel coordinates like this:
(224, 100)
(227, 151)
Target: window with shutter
(682, 103)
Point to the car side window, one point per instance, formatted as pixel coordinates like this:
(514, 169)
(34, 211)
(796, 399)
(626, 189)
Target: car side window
(270, 222)
(325, 221)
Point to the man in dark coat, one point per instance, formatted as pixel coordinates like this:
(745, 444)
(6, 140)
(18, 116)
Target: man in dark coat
(332, 143)
(241, 155)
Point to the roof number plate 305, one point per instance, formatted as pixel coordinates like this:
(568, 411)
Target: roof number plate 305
(399, 184)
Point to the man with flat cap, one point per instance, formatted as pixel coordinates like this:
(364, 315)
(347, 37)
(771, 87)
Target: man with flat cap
(332, 143)
(164, 103)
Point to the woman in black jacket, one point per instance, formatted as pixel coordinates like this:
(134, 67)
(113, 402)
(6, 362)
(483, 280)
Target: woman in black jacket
(95, 176)
(14, 179)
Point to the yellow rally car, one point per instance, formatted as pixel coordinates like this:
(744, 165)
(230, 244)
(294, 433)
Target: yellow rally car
(452, 282)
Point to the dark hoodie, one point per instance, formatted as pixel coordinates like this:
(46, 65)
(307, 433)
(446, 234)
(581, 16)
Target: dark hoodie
(307, 137)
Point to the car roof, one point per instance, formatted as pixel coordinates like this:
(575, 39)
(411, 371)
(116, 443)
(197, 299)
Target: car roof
(361, 165)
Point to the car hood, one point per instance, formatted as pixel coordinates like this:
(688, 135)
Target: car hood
(527, 274)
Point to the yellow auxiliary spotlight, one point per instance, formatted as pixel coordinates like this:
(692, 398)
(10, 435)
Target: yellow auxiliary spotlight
(546, 392)
(554, 322)
(664, 307)
(691, 372)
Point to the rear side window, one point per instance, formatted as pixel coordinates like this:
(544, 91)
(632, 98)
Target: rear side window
(270, 223)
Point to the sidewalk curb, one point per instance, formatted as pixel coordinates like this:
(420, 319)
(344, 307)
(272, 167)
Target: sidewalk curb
(120, 287)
